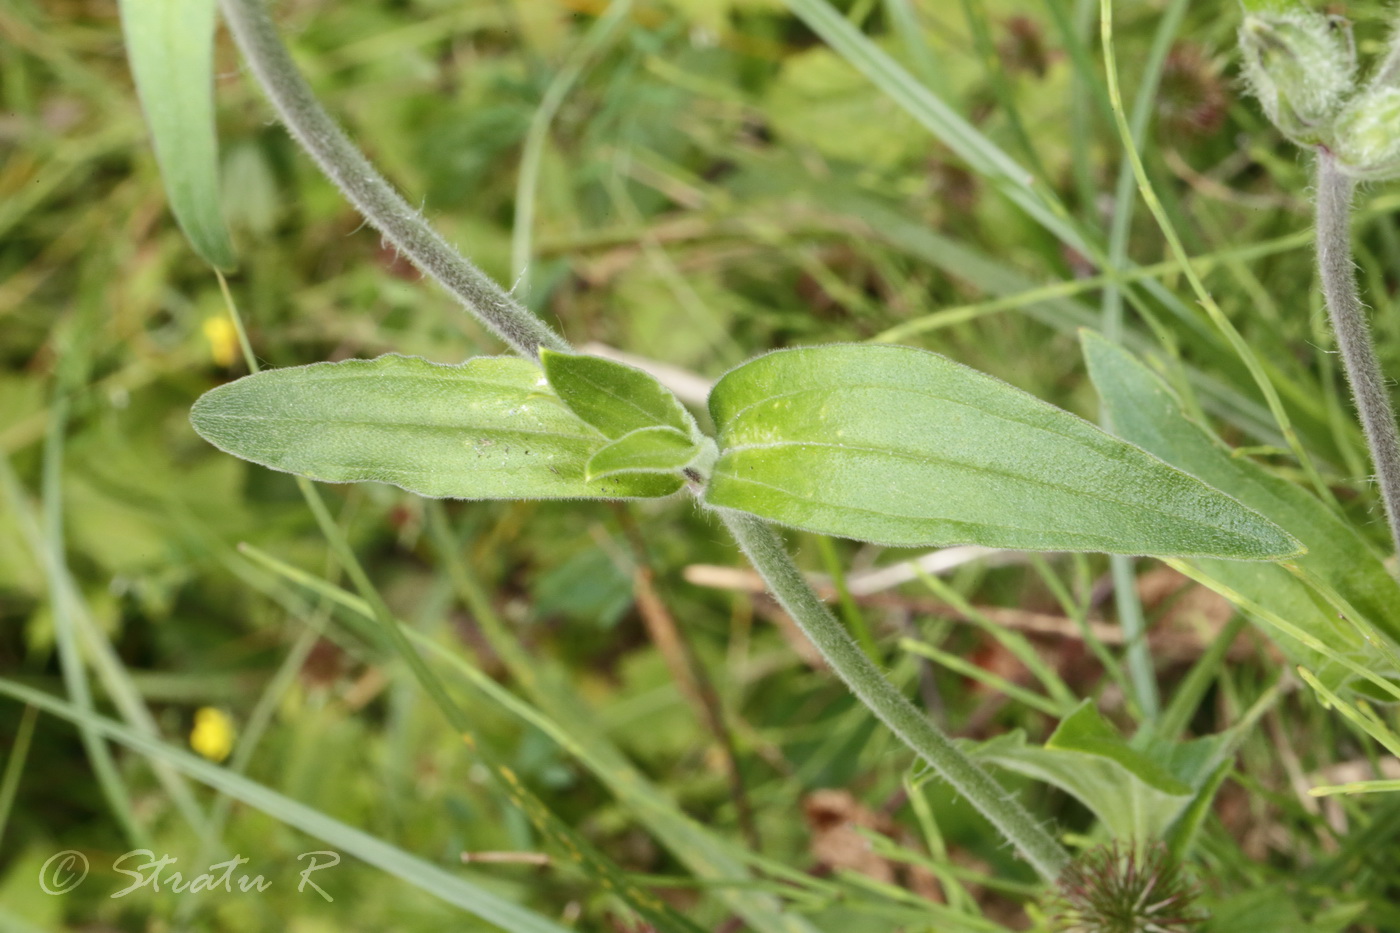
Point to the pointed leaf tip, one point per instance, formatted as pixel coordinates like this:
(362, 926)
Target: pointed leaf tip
(904, 447)
(170, 45)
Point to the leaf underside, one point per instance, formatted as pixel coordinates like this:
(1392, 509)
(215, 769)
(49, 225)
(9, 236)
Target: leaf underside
(489, 428)
(904, 447)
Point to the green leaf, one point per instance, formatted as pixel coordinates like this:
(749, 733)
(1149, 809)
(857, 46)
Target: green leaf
(1187, 825)
(489, 428)
(904, 447)
(1130, 808)
(1145, 411)
(1086, 731)
(170, 44)
(556, 709)
(614, 398)
(1136, 795)
(645, 450)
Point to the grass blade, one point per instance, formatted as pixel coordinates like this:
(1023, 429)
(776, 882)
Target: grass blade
(1011, 178)
(437, 881)
(14, 767)
(562, 719)
(170, 44)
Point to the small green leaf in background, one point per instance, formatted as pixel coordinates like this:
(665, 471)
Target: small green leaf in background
(588, 589)
(489, 428)
(1281, 908)
(645, 450)
(905, 447)
(1145, 411)
(1136, 795)
(615, 398)
(170, 44)
(1086, 731)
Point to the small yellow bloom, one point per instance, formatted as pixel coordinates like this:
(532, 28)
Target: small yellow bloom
(212, 735)
(223, 339)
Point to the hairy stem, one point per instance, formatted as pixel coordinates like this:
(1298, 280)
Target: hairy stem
(364, 187)
(384, 208)
(1348, 318)
(766, 552)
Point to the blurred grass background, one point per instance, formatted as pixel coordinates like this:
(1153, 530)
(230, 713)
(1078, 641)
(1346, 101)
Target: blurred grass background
(716, 183)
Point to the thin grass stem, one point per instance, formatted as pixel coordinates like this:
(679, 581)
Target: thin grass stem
(766, 552)
(384, 208)
(532, 151)
(14, 766)
(75, 679)
(1217, 316)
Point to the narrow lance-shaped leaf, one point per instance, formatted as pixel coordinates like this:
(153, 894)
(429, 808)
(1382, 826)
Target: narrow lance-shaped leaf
(904, 447)
(1145, 411)
(489, 428)
(645, 450)
(613, 397)
(170, 44)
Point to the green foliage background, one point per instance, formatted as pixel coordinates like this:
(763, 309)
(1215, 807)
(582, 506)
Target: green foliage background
(718, 183)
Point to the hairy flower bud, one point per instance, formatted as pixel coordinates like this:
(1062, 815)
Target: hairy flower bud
(1366, 135)
(1302, 66)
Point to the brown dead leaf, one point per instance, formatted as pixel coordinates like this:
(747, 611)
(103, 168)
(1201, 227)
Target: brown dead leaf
(836, 818)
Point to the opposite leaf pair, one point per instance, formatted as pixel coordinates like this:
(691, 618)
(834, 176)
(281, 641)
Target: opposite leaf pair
(650, 430)
(886, 444)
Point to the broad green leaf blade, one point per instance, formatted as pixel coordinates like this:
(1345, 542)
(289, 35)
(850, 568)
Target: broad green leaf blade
(1130, 808)
(904, 447)
(613, 397)
(1137, 794)
(645, 450)
(170, 44)
(477, 900)
(1145, 411)
(489, 428)
(1085, 731)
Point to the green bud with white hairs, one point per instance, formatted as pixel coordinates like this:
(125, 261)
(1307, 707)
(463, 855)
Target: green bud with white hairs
(1302, 66)
(1366, 135)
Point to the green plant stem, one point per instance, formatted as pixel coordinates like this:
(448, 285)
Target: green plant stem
(14, 767)
(366, 189)
(1348, 318)
(766, 552)
(382, 206)
(1141, 670)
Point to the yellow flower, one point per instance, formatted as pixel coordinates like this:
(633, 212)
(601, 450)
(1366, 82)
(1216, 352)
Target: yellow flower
(212, 735)
(223, 339)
